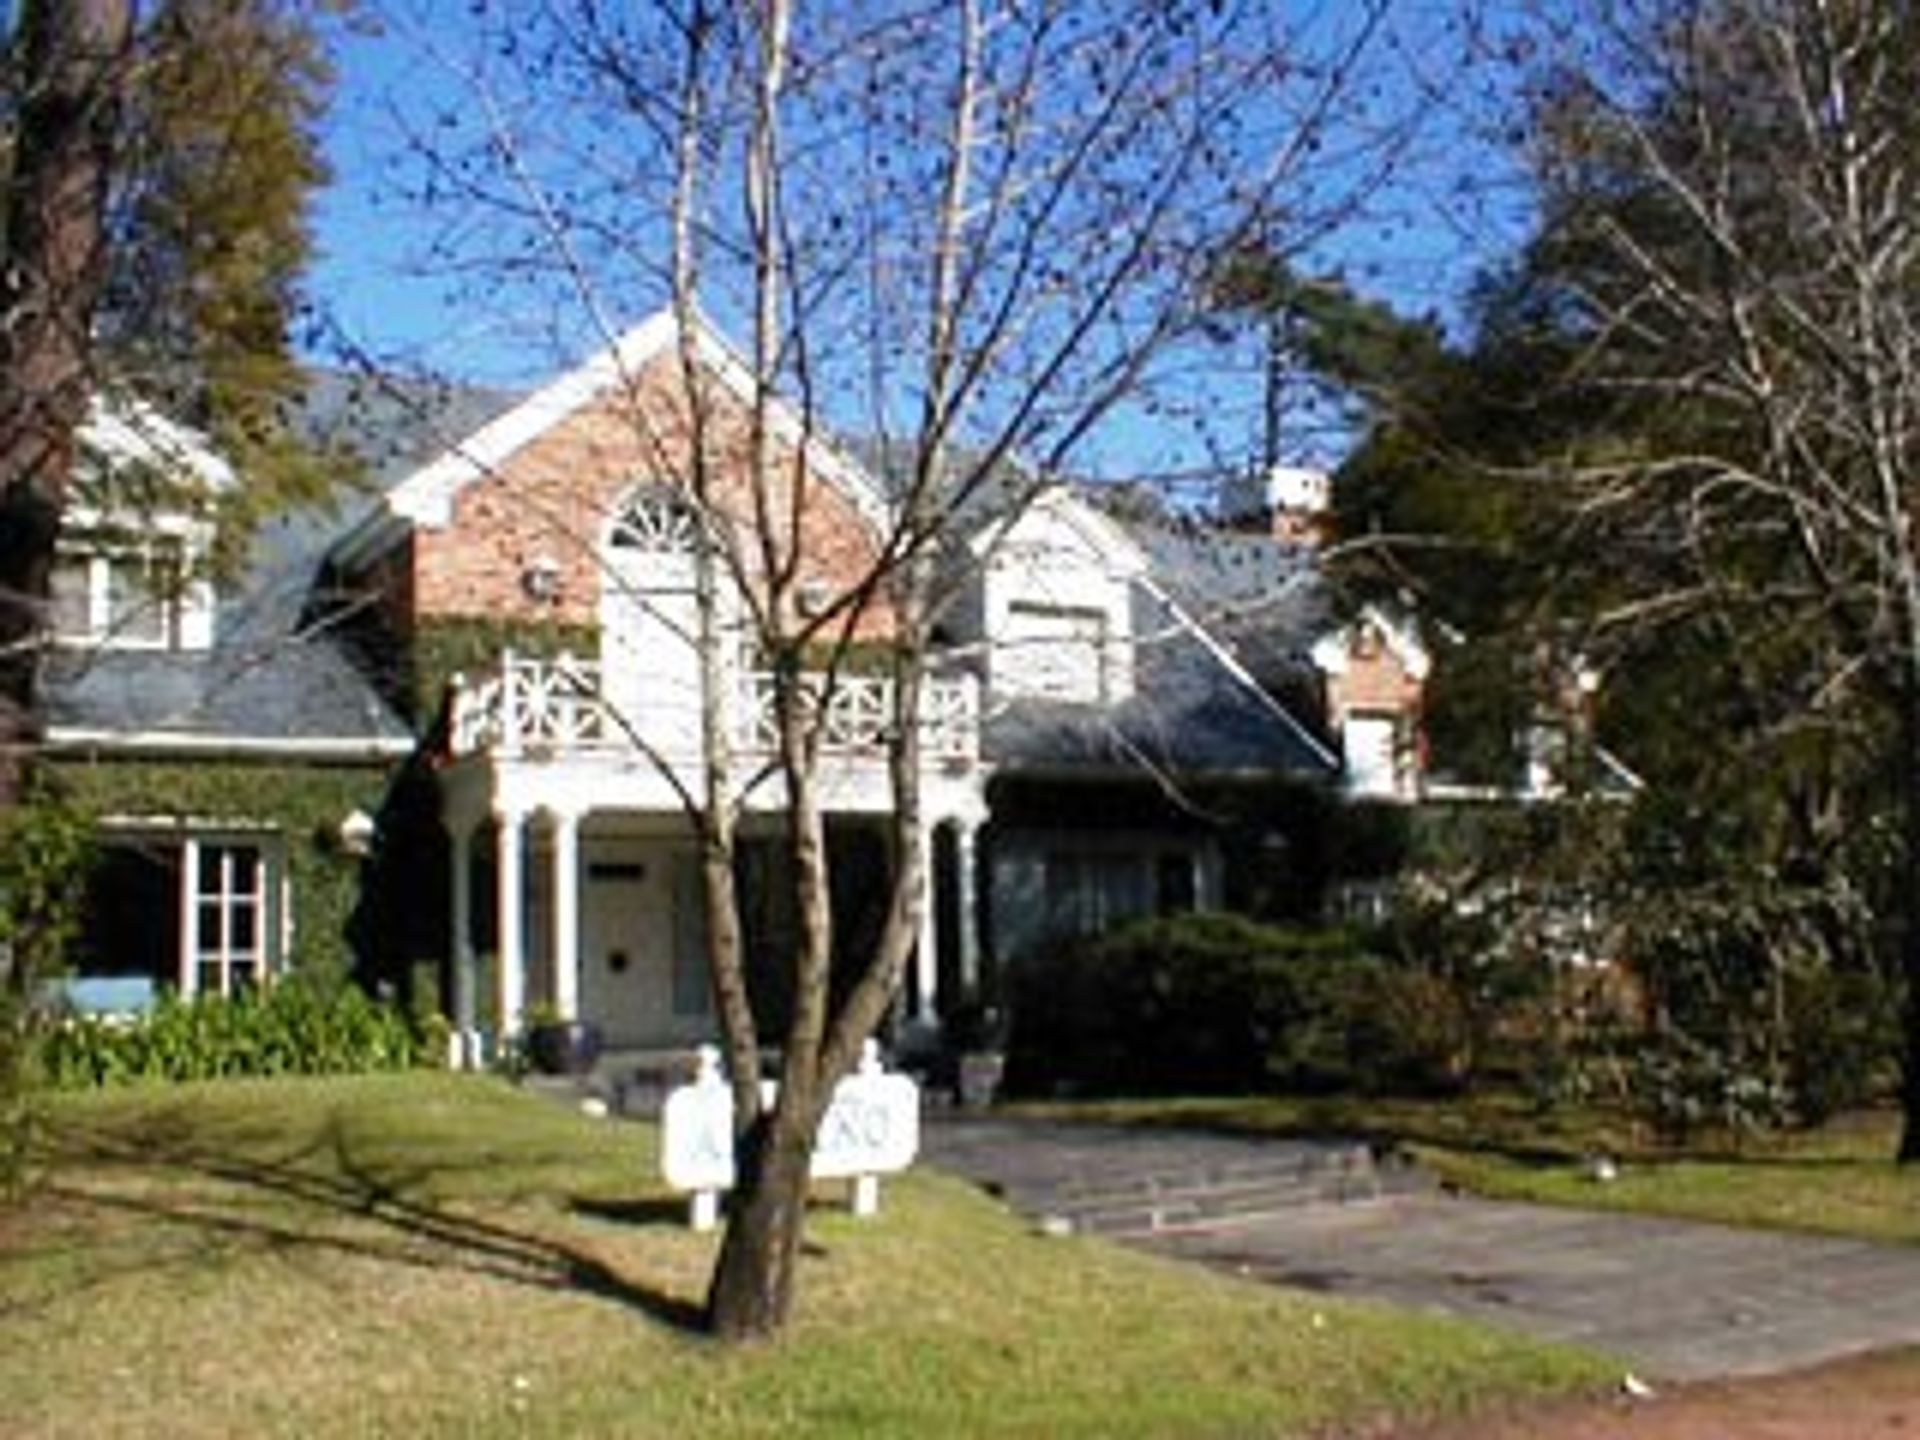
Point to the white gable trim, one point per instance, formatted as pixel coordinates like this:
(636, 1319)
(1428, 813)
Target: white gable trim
(1331, 652)
(125, 430)
(425, 498)
(1124, 559)
(1240, 673)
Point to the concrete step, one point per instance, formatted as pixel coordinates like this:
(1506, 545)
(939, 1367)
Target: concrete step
(1289, 1165)
(1208, 1208)
(1127, 1182)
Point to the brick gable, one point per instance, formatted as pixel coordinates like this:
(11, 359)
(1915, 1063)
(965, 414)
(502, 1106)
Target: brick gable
(550, 500)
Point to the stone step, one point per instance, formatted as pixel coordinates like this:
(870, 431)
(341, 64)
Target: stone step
(1293, 1166)
(1131, 1183)
(1207, 1208)
(1126, 1206)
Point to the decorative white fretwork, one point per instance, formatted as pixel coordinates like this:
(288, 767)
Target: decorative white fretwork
(554, 708)
(657, 520)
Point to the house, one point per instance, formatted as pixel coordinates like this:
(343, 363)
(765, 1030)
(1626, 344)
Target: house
(498, 662)
(217, 745)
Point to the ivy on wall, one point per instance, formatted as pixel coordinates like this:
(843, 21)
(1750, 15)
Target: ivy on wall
(305, 803)
(444, 648)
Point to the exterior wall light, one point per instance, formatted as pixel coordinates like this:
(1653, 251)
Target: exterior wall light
(356, 834)
(814, 597)
(540, 578)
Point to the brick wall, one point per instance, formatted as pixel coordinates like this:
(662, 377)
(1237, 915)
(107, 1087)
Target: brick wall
(550, 501)
(1375, 680)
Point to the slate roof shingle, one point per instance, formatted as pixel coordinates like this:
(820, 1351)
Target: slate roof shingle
(1190, 715)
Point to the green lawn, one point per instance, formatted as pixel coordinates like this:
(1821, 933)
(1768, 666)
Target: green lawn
(446, 1255)
(1839, 1180)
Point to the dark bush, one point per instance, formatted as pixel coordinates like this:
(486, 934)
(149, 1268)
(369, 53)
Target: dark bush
(1218, 1004)
(1843, 1038)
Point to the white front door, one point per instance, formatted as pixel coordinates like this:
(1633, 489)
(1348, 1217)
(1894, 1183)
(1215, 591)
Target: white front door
(643, 944)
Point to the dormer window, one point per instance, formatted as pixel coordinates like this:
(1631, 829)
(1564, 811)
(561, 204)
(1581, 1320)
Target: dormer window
(128, 597)
(1053, 652)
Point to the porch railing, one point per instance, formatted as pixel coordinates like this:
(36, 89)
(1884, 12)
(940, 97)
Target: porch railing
(858, 715)
(534, 707)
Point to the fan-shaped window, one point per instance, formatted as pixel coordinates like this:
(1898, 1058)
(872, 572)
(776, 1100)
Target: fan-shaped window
(657, 520)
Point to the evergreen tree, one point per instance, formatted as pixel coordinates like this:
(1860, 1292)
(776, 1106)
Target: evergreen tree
(1682, 443)
(155, 181)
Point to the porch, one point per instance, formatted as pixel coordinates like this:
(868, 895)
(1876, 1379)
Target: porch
(576, 886)
(553, 708)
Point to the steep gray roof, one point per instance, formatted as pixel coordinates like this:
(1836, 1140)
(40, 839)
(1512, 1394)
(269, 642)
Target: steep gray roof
(293, 692)
(394, 424)
(1264, 598)
(268, 681)
(1190, 715)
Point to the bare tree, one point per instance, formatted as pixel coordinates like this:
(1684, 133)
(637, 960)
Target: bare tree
(975, 233)
(1731, 224)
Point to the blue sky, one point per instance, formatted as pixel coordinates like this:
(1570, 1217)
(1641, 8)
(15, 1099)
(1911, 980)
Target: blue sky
(1446, 208)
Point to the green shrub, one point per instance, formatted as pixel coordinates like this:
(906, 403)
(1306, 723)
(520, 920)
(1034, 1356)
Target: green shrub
(43, 850)
(291, 1029)
(1843, 1037)
(1682, 1088)
(1219, 1004)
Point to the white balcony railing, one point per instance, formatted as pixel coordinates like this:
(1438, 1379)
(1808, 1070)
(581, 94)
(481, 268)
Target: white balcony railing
(858, 715)
(558, 707)
(532, 706)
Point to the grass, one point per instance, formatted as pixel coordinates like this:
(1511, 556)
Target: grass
(1837, 1180)
(445, 1255)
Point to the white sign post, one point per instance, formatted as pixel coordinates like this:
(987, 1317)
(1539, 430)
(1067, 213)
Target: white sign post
(871, 1129)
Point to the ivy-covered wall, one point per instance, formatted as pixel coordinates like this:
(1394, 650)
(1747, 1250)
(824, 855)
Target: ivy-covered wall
(305, 803)
(443, 648)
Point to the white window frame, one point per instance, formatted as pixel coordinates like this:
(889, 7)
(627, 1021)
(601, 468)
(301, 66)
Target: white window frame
(266, 898)
(185, 603)
(1055, 652)
(1364, 778)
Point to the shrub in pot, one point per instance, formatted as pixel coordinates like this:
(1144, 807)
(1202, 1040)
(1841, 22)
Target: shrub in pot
(561, 1047)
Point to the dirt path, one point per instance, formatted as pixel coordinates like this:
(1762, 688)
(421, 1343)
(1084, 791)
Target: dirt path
(1858, 1399)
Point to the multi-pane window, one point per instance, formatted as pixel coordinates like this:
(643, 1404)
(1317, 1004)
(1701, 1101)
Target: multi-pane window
(229, 927)
(1091, 891)
(131, 597)
(1052, 652)
(657, 519)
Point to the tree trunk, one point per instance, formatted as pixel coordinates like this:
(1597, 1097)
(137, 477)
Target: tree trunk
(1907, 776)
(751, 1294)
(69, 51)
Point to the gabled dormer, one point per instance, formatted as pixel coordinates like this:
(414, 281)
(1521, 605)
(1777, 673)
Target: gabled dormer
(130, 566)
(1056, 603)
(1375, 671)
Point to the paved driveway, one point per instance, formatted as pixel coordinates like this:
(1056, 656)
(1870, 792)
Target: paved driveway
(1674, 1299)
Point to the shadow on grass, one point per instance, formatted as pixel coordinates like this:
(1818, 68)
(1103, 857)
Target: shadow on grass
(652, 1210)
(327, 1197)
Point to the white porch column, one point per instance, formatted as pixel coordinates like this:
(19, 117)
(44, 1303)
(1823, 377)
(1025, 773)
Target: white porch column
(464, 988)
(926, 962)
(510, 976)
(566, 915)
(189, 936)
(966, 834)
